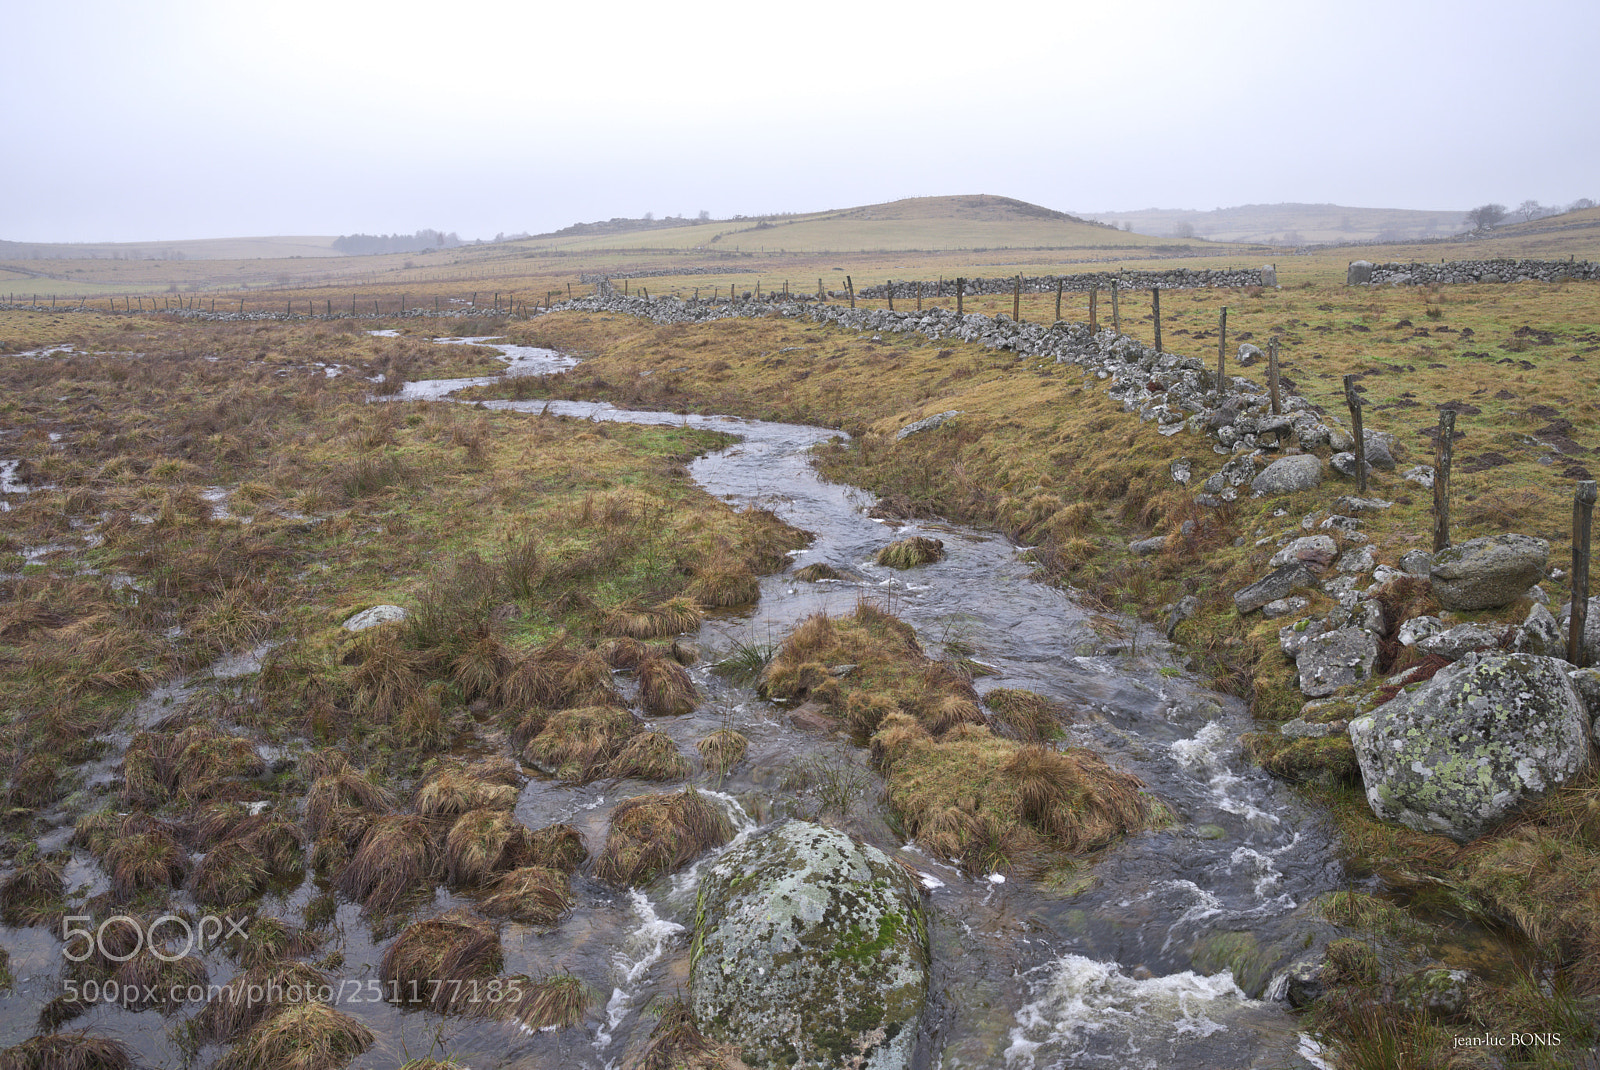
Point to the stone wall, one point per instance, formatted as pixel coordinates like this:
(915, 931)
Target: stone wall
(1465, 271)
(1175, 279)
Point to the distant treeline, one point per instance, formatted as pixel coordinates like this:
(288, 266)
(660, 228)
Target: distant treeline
(368, 244)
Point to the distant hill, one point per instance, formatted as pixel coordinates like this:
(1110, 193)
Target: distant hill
(193, 249)
(1291, 224)
(967, 222)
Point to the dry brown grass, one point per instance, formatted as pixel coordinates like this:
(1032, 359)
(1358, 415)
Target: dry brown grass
(396, 862)
(665, 688)
(577, 744)
(535, 895)
(306, 1036)
(482, 843)
(650, 756)
(655, 834)
(433, 963)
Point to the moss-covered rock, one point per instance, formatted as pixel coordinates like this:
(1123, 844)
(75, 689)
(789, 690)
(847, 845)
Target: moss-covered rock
(810, 951)
(1473, 744)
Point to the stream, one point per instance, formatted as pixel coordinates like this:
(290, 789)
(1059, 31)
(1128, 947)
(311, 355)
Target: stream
(1110, 969)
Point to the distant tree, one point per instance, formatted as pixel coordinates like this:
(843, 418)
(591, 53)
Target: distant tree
(1183, 230)
(704, 216)
(648, 216)
(1580, 204)
(1127, 225)
(1293, 237)
(1485, 216)
(1529, 210)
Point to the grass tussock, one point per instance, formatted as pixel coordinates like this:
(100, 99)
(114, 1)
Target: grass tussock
(665, 687)
(1026, 715)
(534, 895)
(655, 834)
(722, 749)
(397, 862)
(481, 844)
(305, 1036)
(433, 962)
(33, 893)
(817, 572)
(909, 553)
(558, 1002)
(558, 847)
(577, 744)
(454, 788)
(675, 616)
(676, 1043)
(989, 803)
(67, 1051)
(650, 756)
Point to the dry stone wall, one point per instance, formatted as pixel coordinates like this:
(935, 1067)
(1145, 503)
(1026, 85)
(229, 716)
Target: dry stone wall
(1466, 271)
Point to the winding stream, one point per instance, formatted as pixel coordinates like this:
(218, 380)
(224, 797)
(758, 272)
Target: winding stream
(1104, 974)
(1023, 978)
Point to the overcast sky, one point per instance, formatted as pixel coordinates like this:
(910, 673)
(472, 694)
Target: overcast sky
(174, 119)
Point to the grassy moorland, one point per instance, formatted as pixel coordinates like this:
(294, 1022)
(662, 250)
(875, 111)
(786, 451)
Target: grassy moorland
(1041, 453)
(205, 490)
(540, 553)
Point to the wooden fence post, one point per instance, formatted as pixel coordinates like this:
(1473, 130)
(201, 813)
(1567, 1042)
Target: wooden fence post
(1116, 308)
(1272, 377)
(851, 287)
(919, 295)
(1016, 301)
(1222, 352)
(1094, 310)
(961, 285)
(1058, 299)
(1582, 513)
(888, 288)
(1441, 479)
(1155, 308)
(822, 295)
(569, 291)
(1353, 399)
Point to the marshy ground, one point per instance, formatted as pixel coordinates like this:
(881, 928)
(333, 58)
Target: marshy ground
(200, 491)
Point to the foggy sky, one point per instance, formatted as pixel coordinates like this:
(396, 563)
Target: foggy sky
(176, 119)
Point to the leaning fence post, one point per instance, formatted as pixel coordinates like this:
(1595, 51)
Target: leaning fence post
(1272, 380)
(1155, 308)
(850, 286)
(1582, 513)
(1353, 399)
(1222, 352)
(1441, 479)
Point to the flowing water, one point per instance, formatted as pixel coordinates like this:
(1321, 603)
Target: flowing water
(1118, 968)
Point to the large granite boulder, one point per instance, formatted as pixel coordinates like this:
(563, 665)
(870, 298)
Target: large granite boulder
(1487, 573)
(1473, 744)
(1286, 475)
(810, 950)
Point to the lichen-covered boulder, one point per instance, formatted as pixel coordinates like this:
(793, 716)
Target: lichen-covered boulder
(1336, 659)
(810, 950)
(1487, 573)
(1473, 744)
